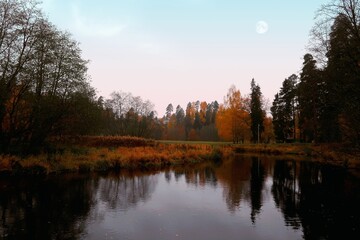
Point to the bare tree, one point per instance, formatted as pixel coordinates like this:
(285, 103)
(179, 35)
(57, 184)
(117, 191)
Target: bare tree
(325, 17)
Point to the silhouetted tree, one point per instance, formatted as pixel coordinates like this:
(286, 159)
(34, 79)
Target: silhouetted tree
(256, 111)
(284, 110)
(310, 97)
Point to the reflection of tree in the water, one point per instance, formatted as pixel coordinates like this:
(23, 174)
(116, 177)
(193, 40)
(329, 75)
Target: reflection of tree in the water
(243, 180)
(234, 175)
(284, 191)
(198, 175)
(256, 187)
(37, 209)
(168, 175)
(325, 198)
(317, 198)
(126, 190)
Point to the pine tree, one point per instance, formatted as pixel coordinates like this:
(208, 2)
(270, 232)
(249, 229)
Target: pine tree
(310, 94)
(256, 112)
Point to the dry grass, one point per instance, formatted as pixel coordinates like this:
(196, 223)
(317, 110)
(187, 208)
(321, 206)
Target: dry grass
(104, 141)
(86, 159)
(276, 149)
(86, 154)
(335, 154)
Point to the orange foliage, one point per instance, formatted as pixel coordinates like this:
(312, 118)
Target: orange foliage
(268, 134)
(223, 124)
(203, 108)
(193, 135)
(232, 120)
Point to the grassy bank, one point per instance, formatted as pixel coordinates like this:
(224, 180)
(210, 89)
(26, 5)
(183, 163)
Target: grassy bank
(86, 154)
(335, 154)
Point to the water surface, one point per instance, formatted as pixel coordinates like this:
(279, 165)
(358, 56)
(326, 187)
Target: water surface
(242, 198)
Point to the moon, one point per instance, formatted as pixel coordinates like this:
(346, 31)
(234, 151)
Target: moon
(262, 27)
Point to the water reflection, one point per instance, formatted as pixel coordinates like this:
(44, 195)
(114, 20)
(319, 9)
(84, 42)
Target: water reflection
(285, 191)
(256, 187)
(45, 209)
(201, 175)
(125, 190)
(234, 177)
(309, 200)
(321, 199)
(328, 202)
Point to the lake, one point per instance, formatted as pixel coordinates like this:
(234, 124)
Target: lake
(241, 198)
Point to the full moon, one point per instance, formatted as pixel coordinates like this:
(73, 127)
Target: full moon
(262, 27)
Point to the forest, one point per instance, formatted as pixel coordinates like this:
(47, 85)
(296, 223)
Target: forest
(322, 104)
(45, 91)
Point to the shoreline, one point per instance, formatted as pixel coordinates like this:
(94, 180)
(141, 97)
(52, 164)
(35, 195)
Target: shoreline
(100, 159)
(84, 158)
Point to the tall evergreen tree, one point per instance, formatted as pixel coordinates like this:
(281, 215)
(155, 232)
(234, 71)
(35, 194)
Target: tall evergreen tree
(284, 110)
(169, 110)
(310, 95)
(256, 112)
(278, 119)
(188, 120)
(180, 115)
(341, 113)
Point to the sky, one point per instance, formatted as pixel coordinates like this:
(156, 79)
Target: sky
(180, 51)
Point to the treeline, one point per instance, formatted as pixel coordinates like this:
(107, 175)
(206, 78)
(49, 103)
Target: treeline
(45, 90)
(42, 77)
(322, 104)
(238, 119)
(45, 93)
(196, 122)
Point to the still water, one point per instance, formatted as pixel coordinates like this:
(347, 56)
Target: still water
(242, 198)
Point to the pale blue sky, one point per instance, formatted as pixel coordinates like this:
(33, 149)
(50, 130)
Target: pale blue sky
(176, 51)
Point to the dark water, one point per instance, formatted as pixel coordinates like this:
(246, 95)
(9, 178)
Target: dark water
(243, 198)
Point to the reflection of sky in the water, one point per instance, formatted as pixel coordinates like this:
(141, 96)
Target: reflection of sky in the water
(182, 207)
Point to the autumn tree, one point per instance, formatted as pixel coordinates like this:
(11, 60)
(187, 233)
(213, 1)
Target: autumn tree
(233, 121)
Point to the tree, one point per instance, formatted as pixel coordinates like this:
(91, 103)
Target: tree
(284, 110)
(169, 110)
(19, 21)
(42, 73)
(233, 121)
(342, 83)
(203, 109)
(133, 116)
(120, 103)
(278, 119)
(325, 18)
(197, 121)
(180, 115)
(188, 119)
(256, 112)
(310, 96)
